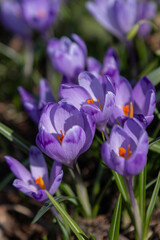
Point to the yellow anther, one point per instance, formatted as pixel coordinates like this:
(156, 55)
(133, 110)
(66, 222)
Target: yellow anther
(40, 182)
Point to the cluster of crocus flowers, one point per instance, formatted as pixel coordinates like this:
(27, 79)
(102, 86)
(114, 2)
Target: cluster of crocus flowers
(119, 16)
(23, 16)
(33, 183)
(31, 105)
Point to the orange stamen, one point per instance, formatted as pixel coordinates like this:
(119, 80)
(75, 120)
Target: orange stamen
(61, 138)
(131, 110)
(40, 182)
(41, 14)
(122, 152)
(92, 101)
(128, 110)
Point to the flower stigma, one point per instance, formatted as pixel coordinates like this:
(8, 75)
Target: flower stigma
(40, 182)
(125, 154)
(92, 101)
(128, 110)
(61, 138)
(42, 14)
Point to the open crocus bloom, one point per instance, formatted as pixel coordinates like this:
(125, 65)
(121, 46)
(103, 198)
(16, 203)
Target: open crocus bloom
(64, 132)
(40, 14)
(119, 16)
(12, 18)
(68, 56)
(126, 151)
(33, 107)
(92, 97)
(139, 102)
(35, 183)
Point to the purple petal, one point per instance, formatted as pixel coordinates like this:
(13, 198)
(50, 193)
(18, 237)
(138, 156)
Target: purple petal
(55, 184)
(38, 165)
(137, 161)
(89, 128)
(74, 94)
(50, 146)
(123, 87)
(125, 12)
(12, 18)
(18, 169)
(65, 117)
(103, 11)
(24, 187)
(72, 144)
(134, 129)
(55, 171)
(40, 195)
(109, 105)
(30, 104)
(45, 119)
(46, 94)
(140, 90)
(92, 85)
(94, 66)
(81, 43)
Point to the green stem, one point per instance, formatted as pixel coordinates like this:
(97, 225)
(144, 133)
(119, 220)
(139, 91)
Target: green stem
(135, 209)
(82, 194)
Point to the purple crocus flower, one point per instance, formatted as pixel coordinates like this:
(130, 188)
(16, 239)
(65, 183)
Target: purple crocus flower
(110, 67)
(127, 148)
(64, 132)
(33, 107)
(68, 56)
(139, 102)
(35, 182)
(12, 18)
(40, 14)
(92, 97)
(119, 16)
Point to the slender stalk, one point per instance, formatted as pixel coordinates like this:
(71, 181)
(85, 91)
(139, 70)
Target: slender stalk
(135, 208)
(82, 194)
(29, 58)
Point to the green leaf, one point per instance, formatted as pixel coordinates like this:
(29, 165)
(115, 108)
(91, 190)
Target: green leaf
(11, 136)
(154, 76)
(142, 193)
(133, 32)
(65, 233)
(92, 237)
(154, 145)
(152, 204)
(73, 225)
(47, 205)
(121, 186)
(115, 224)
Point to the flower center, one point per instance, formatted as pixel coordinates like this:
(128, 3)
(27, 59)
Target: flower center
(41, 14)
(40, 182)
(91, 101)
(62, 136)
(128, 110)
(125, 154)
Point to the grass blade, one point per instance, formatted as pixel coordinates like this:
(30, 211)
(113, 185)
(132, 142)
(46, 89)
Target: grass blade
(115, 224)
(142, 194)
(152, 204)
(73, 225)
(121, 186)
(11, 136)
